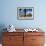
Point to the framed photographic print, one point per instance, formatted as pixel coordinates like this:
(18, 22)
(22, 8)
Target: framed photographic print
(25, 13)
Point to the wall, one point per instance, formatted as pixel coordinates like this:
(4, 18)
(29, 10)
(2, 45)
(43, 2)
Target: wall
(8, 13)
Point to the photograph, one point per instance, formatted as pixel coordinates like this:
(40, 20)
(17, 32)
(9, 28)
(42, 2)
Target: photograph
(25, 13)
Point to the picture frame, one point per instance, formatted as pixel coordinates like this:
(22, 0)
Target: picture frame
(25, 13)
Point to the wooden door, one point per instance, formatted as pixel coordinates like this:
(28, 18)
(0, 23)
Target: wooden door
(13, 40)
(34, 39)
(38, 40)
